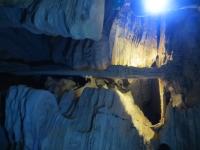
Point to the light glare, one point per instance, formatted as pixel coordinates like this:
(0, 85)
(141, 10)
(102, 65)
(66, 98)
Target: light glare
(156, 6)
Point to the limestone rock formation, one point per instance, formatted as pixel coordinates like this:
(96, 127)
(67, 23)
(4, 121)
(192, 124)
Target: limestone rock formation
(96, 121)
(76, 54)
(181, 130)
(69, 18)
(137, 41)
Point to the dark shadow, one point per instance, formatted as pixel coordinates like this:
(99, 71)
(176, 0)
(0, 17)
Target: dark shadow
(147, 96)
(164, 147)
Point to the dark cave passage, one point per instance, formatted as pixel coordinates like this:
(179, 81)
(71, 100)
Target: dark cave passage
(147, 96)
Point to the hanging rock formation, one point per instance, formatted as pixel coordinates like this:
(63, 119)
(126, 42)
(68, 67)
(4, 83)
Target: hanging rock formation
(78, 19)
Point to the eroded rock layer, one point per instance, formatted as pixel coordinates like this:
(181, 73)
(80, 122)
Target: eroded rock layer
(40, 49)
(98, 120)
(181, 130)
(78, 19)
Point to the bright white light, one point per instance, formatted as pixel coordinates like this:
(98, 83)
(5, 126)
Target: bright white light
(156, 6)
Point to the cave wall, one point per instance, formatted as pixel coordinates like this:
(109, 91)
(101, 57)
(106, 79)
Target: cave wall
(75, 53)
(137, 41)
(97, 120)
(180, 130)
(183, 40)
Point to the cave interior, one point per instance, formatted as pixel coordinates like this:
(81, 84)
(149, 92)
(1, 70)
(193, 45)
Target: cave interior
(107, 74)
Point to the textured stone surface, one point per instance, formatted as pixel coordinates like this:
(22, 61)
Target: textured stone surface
(41, 49)
(22, 46)
(97, 121)
(183, 40)
(181, 131)
(69, 18)
(136, 41)
(82, 54)
(59, 50)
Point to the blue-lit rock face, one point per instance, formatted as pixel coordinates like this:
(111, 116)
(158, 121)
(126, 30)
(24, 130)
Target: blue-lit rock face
(183, 41)
(41, 49)
(96, 121)
(181, 130)
(26, 48)
(78, 19)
